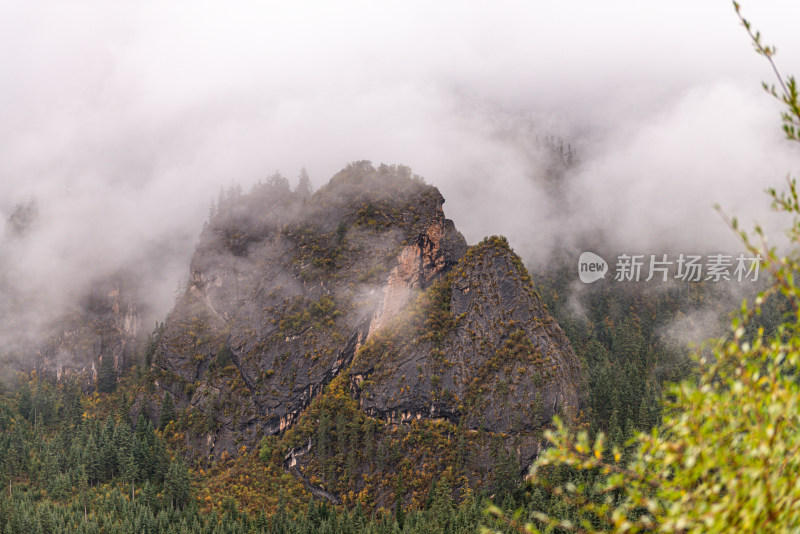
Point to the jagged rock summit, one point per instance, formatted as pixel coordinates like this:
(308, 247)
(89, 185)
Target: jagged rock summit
(364, 281)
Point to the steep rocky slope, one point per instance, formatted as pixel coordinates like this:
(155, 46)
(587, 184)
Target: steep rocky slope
(69, 321)
(347, 314)
(480, 349)
(284, 289)
(103, 325)
(106, 323)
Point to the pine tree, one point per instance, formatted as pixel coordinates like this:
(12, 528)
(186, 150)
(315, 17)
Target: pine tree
(278, 183)
(50, 469)
(304, 189)
(107, 450)
(369, 442)
(92, 460)
(161, 460)
(143, 455)
(442, 505)
(24, 402)
(177, 485)
(59, 487)
(71, 404)
(462, 453)
(148, 494)
(399, 506)
(353, 449)
(167, 412)
(615, 429)
(83, 490)
(107, 375)
(506, 474)
(341, 435)
(128, 467)
(323, 436)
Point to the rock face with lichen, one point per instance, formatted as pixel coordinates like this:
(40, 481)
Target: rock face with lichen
(104, 325)
(285, 289)
(477, 349)
(363, 287)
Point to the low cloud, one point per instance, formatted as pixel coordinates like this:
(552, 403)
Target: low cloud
(123, 123)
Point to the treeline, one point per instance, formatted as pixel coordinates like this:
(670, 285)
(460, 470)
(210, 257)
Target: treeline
(54, 456)
(620, 334)
(112, 512)
(76, 463)
(64, 468)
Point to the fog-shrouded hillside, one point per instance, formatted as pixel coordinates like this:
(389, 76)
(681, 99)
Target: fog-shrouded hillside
(219, 316)
(359, 311)
(346, 346)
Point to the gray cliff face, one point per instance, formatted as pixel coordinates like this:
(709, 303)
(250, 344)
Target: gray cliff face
(106, 323)
(365, 279)
(285, 289)
(478, 349)
(516, 367)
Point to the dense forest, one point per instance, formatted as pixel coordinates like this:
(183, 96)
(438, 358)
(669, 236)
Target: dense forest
(101, 457)
(79, 461)
(124, 452)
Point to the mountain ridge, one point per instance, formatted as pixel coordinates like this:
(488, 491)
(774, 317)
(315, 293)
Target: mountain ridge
(365, 284)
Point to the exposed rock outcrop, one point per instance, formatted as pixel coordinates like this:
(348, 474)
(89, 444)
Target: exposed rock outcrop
(478, 349)
(105, 324)
(364, 282)
(285, 290)
(417, 265)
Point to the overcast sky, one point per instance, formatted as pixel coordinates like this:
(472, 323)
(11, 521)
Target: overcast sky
(123, 122)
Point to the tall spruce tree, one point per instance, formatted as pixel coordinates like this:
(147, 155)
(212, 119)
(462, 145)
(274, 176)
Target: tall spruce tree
(167, 412)
(107, 375)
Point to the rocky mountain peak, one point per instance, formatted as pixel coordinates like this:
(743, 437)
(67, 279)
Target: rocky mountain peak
(365, 280)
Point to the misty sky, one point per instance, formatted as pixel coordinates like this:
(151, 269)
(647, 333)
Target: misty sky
(124, 122)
